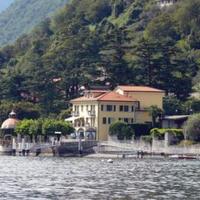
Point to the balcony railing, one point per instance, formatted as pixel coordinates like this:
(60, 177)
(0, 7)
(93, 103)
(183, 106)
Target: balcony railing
(75, 113)
(92, 113)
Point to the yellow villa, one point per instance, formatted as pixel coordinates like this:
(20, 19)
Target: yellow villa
(94, 112)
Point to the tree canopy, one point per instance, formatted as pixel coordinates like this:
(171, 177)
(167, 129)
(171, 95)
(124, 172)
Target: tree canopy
(22, 15)
(95, 42)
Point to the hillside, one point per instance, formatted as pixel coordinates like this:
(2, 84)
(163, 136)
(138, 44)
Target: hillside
(23, 15)
(96, 42)
(5, 4)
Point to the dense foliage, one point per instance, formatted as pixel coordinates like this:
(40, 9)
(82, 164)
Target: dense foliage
(156, 113)
(140, 129)
(24, 110)
(23, 15)
(43, 127)
(96, 42)
(159, 133)
(121, 130)
(192, 128)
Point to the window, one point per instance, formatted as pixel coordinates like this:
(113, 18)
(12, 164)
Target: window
(109, 107)
(132, 120)
(87, 107)
(126, 108)
(114, 108)
(101, 107)
(137, 105)
(104, 120)
(126, 120)
(121, 108)
(82, 108)
(120, 119)
(109, 120)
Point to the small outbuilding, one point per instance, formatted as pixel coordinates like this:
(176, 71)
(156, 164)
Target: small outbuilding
(9, 125)
(174, 121)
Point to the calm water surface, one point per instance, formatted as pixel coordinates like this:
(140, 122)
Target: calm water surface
(84, 178)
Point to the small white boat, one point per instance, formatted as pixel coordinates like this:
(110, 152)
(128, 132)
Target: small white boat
(110, 161)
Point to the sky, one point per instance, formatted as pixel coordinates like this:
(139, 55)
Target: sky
(4, 4)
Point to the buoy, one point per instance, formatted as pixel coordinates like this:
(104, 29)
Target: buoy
(110, 161)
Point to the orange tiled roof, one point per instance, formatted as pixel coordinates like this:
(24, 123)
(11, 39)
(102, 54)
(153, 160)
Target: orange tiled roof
(129, 88)
(97, 91)
(108, 96)
(113, 96)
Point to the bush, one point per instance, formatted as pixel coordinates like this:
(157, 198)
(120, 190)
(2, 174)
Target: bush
(192, 128)
(140, 129)
(159, 133)
(121, 130)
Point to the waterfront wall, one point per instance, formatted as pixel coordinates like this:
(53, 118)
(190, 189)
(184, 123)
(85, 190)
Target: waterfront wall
(157, 147)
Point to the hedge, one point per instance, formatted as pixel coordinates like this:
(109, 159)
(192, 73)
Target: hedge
(141, 129)
(159, 133)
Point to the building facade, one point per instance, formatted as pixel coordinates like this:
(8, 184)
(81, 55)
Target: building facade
(93, 113)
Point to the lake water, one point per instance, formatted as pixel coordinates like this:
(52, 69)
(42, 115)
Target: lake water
(88, 178)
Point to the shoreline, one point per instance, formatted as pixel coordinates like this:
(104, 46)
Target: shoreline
(153, 156)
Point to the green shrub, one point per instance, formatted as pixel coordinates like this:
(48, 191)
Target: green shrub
(140, 129)
(121, 130)
(159, 133)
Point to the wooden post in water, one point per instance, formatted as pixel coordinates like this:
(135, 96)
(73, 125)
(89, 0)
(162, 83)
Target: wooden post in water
(80, 145)
(14, 146)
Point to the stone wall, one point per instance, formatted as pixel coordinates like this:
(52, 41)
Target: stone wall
(157, 146)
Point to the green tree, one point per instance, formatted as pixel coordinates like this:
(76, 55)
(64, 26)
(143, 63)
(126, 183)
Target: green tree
(172, 106)
(192, 128)
(155, 113)
(121, 130)
(23, 127)
(51, 126)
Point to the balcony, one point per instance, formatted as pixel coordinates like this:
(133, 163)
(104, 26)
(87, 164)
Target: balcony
(75, 113)
(92, 113)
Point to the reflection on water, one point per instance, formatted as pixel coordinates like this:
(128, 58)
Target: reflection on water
(81, 178)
